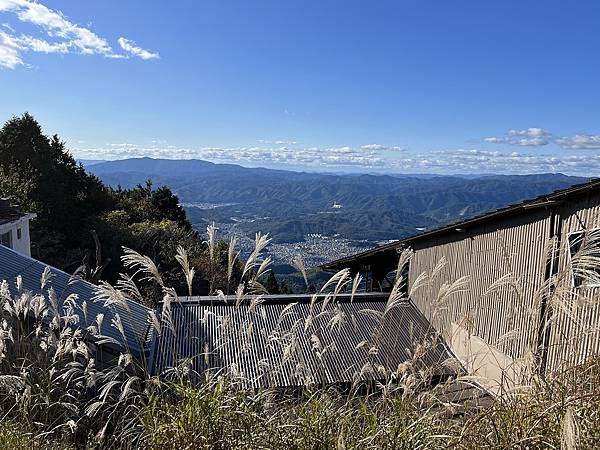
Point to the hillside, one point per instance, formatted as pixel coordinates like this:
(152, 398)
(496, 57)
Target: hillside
(292, 204)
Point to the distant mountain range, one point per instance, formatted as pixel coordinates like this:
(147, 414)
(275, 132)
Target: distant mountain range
(291, 205)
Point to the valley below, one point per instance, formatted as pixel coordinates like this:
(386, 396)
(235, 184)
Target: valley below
(322, 216)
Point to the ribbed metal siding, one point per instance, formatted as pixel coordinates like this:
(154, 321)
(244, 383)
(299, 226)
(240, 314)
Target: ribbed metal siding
(506, 317)
(134, 318)
(575, 325)
(267, 348)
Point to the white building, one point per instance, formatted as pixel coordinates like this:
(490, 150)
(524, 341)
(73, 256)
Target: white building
(14, 227)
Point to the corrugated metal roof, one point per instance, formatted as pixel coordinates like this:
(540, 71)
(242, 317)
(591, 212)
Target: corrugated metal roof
(134, 317)
(287, 341)
(537, 202)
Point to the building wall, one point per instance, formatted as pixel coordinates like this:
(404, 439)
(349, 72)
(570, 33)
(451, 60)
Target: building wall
(575, 313)
(500, 268)
(499, 302)
(22, 244)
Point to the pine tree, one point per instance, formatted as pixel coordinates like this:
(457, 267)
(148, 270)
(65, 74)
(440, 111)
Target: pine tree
(272, 286)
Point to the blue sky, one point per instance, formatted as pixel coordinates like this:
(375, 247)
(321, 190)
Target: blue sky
(385, 86)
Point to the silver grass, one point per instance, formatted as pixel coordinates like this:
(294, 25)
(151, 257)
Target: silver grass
(188, 272)
(53, 301)
(403, 260)
(396, 296)
(420, 282)
(118, 324)
(569, 435)
(45, 278)
(254, 302)
(355, 284)
(260, 243)
(437, 270)
(126, 388)
(286, 311)
(239, 294)
(338, 319)
(337, 278)
(142, 264)
(155, 322)
(232, 256)
(298, 263)
(110, 295)
(263, 267)
(211, 232)
(4, 290)
(128, 287)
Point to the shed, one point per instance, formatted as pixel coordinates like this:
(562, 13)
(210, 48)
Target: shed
(527, 245)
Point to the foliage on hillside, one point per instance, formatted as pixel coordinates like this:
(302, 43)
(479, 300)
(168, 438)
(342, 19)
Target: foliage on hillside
(82, 224)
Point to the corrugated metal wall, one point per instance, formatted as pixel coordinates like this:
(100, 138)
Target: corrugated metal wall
(575, 319)
(508, 317)
(505, 317)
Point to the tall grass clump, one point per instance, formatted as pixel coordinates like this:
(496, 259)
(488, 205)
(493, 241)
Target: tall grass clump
(67, 386)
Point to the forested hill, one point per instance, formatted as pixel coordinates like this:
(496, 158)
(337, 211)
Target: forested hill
(292, 204)
(82, 225)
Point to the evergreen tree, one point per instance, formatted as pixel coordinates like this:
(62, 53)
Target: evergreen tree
(272, 286)
(43, 177)
(82, 224)
(284, 288)
(310, 289)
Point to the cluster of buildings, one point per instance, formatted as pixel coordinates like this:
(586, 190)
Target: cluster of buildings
(315, 250)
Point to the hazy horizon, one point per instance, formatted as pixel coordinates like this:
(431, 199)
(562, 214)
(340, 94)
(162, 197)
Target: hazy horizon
(350, 171)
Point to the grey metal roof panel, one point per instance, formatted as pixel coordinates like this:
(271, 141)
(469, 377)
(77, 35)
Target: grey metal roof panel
(134, 317)
(275, 344)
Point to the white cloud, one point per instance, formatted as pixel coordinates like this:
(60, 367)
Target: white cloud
(530, 133)
(537, 137)
(373, 147)
(580, 141)
(495, 140)
(9, 51)
(381, 147)
(131, 47)
(529, 137)
(43, 46)
(61, 36)
(278, 142)
(124, 145)
(357, 159)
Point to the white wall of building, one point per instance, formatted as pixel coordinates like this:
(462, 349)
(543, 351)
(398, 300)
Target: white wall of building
(16, 234)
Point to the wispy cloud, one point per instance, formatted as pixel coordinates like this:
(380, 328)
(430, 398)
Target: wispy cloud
(131, 47)
(59, 36)
(381, 147)
(9, 51)
(529, 137)
(536, 137)
(277, 142)
(580, 141)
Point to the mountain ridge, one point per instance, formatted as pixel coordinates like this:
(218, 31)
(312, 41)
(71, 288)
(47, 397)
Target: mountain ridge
(291, 204)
